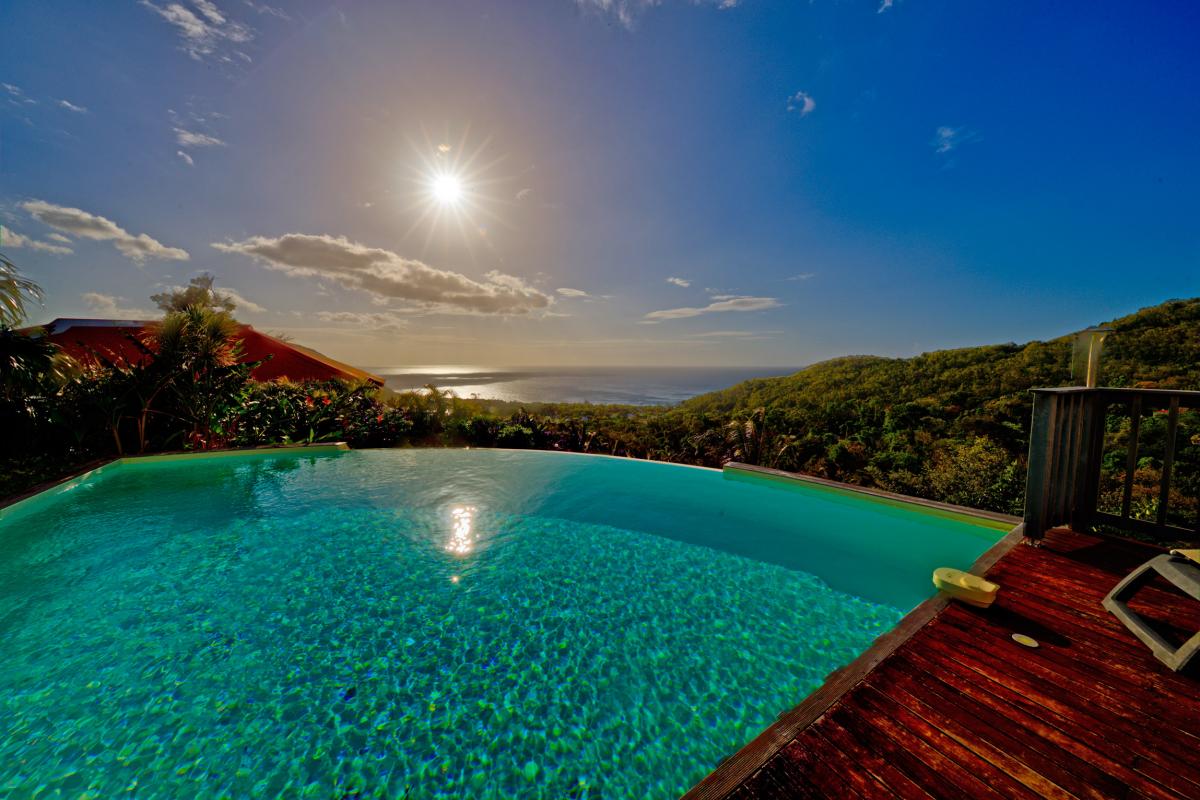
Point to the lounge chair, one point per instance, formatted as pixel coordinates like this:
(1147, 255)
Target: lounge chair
(1180, 567)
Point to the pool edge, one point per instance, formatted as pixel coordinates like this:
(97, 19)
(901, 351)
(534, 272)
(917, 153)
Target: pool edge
(988, 519)
(94, 469)
(736, 769)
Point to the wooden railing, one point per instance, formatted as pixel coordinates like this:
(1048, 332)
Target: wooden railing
(1066, 450)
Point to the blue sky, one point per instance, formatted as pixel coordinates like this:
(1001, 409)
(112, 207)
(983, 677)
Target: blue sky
(672, 182)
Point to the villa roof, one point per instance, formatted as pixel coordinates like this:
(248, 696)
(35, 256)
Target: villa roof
(84, 339)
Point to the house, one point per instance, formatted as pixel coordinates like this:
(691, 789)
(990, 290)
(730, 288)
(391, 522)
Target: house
(85, 339)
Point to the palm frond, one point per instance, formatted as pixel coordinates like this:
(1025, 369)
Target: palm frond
(15, 291)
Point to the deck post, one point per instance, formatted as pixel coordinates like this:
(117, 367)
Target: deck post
(1087, 478)
(1042, 435)
(1066, 457)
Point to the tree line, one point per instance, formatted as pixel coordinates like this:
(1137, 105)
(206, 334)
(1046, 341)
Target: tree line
(950, 425)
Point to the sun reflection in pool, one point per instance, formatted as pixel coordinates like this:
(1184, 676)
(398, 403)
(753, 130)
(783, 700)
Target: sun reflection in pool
(462, 522)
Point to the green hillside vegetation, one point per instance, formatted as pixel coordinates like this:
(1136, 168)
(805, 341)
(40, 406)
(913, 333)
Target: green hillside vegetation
(950, 425)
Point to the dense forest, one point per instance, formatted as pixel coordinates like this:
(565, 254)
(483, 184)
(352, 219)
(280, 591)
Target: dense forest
(950, 425)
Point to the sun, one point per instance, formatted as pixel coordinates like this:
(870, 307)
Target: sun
(454, 192)
(447, 189)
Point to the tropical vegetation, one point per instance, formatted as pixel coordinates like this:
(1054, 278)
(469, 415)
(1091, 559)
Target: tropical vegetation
(950, 425)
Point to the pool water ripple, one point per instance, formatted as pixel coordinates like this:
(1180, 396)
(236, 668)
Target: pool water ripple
(329, 629)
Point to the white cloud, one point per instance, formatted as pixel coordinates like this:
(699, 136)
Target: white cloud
(91, 226)
(242, 302)
(108, 305)
(566, 292)
(684, 282)
(210, 11)
(17, 95)
(204, 31)
(263, 8)
(724, 303)
(946, 138)
(186, 138)
(389, 276)
(69, 106)
(627, 11)
(17, 241)
(801, 102)
(803, 276)
(522, 194)
(58, 237)
(376, 320)
(733, 334)
(187, 159)
(885, 5)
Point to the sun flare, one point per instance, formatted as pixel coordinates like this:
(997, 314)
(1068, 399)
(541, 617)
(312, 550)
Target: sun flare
(454, 192)
(447, 189)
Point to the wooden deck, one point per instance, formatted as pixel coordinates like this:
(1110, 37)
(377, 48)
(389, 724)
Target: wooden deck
(960, 710)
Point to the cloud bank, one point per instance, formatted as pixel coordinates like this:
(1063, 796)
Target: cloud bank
(203, 28)
(81, 224)
(389, 276)
(362, 320)
(17, 94)
(242, 302)
(109, 306)
(186, 138)
(17, 241)
(724, 303)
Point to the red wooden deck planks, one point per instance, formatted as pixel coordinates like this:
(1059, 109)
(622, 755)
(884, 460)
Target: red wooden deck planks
(959, 710)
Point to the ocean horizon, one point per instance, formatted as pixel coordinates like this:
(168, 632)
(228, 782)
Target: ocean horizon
(642, 386)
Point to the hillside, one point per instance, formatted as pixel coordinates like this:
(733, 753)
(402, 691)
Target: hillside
(950, 424)
(1157, 346)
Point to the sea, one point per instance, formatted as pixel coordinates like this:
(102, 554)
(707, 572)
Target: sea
(642, 386)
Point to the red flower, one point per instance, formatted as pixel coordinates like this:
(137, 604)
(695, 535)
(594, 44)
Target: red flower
(379, 418)
(326, 401)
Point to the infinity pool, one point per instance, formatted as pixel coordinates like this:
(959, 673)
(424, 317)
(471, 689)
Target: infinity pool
(431, 623)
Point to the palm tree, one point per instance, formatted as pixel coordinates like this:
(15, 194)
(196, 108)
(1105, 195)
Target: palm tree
(197, 337)
(32, 368)
(441, 402)
(198, 358)
(15, 291)
(28, 363)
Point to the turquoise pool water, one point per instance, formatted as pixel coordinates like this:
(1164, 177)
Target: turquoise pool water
(430, 623)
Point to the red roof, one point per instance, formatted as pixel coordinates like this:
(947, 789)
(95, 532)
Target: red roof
(83, 339)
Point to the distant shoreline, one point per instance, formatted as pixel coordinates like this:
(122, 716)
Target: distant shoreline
(644, 386)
